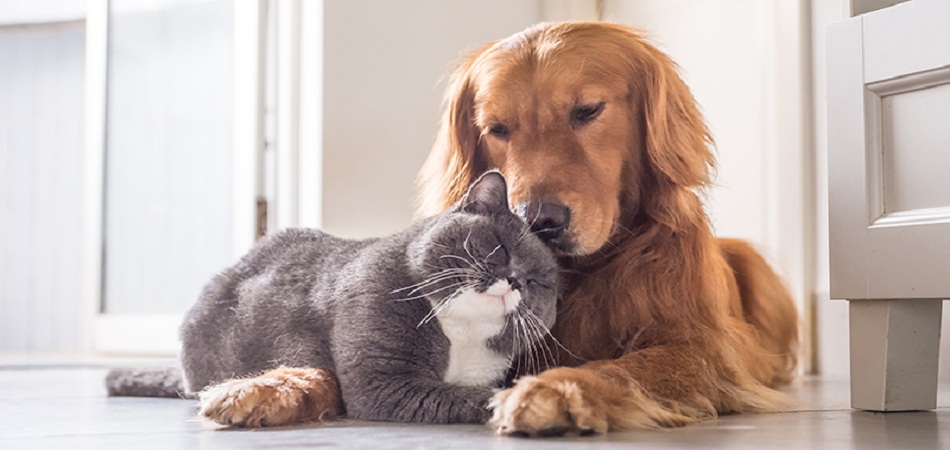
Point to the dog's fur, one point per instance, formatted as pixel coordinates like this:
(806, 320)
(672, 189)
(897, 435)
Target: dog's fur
(665, 324)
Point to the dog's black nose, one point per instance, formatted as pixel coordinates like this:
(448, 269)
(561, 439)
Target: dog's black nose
(547, 220)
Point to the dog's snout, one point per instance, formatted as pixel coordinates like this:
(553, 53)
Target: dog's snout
(547, 220)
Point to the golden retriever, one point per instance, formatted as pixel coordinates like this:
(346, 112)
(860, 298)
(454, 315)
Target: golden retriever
(605, 151)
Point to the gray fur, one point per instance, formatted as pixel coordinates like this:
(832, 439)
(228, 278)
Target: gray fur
(304, 298)
(155, 382)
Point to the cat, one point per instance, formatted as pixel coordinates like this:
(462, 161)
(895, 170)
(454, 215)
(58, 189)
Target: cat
(416, 327)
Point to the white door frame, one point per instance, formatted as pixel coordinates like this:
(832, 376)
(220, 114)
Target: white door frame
(157, 334)
(297, 113)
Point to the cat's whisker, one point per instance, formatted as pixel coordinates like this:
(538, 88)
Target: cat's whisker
(447, 273)
(513, 359)
(522, 346)
(430, 282)
(457, 286)
(554, 339)
(443, 304)
(491, 253)
(427, 294)
(528, 348)
(447, 304)
(417, 289)
(515, 344)
(535, 357)
(451, 269)
(536, 350)
(541, 331)
(432, 313)
(470, 263)
(527, 229)
(536, 346)
(437, 278)
(419, 293)
(518, 348)
(525, 233)
(469, 252)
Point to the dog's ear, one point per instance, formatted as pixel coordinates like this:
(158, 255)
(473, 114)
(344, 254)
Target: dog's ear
(454, 161)
(677, 140)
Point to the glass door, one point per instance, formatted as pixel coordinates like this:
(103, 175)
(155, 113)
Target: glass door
(177, 189)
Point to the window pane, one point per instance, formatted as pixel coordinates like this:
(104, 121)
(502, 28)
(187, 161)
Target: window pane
(168, 152)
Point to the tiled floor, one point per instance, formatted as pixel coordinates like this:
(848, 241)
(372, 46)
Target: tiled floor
(66, 407)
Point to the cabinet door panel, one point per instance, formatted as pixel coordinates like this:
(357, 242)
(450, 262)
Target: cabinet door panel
(889, 140)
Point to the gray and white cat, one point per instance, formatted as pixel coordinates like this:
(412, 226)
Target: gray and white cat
(418, 326)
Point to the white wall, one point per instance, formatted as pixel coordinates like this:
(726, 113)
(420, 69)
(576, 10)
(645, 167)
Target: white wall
(384, 63)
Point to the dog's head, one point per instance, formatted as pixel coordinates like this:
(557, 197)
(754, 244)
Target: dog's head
(590, 124)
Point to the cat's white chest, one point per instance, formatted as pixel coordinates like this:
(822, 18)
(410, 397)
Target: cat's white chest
(470, 321)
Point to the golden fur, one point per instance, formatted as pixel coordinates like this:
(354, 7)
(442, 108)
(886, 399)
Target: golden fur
(277, 397)
(665, 323)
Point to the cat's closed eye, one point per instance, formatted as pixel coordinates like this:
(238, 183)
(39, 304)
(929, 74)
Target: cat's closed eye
(534, 282)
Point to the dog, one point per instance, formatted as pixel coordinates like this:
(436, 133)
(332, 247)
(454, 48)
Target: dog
(606, 154)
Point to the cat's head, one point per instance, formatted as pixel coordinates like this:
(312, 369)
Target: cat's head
(480, 261)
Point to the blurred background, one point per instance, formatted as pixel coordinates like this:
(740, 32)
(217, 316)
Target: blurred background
(145, 144)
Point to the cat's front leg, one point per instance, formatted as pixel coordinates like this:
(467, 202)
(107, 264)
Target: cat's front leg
(280, 396)
(417, 399)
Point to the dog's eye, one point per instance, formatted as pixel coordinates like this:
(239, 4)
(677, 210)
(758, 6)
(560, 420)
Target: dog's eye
(500, 131)
(586, 113)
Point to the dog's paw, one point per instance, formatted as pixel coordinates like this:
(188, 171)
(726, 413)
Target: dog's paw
(279, 397)
(543, 407)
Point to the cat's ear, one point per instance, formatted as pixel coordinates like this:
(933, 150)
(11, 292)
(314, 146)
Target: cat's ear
(487, 195)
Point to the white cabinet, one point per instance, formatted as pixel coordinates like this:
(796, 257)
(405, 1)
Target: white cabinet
(889, 170)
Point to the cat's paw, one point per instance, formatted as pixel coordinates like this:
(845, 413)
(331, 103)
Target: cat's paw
(545, 407)
(279, 397)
